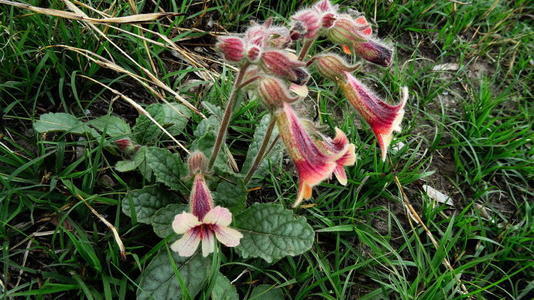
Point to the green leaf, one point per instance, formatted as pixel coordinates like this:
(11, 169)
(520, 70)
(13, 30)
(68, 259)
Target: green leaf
(223, 289)
(272, 232)
(173, 117)
(62, 122)
(113, 126)
(131, 164)
(266, 292)
(167, 167)
(159, 280)
(273, 157)
(232, 196)
(162, 219)
(142, 204)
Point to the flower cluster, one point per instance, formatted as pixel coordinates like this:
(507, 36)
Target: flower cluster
(269, 67)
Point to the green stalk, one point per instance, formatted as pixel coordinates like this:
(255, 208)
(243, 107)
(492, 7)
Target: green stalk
(227, 115)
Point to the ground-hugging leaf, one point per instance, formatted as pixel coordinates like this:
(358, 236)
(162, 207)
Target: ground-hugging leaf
(173, 117)
(131, 164)
(272, 232)
(274, 156)
(230, 195)
(111, 125)
(159, 281)
(52, 122)
(223, 289)
(162, 219)
(266, 292)
(167, 167)
(142, 204)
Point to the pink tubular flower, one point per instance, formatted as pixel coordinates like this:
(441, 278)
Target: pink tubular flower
(383, 118)
(231, 47)
(205, 223)
(285, 65)
(314, 160)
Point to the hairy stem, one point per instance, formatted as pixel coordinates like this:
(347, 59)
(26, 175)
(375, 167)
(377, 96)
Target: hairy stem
(305, 48)
(227, 114)
(262, 151)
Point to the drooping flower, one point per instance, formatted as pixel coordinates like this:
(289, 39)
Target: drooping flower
(274, 91)
(383, 118)
(285, 65)
(356, 36)
(314, 160)
(232, 48)
(332, 66)
(374, 52)
(204, 223)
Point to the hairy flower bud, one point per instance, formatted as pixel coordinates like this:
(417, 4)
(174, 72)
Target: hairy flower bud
(332, 66)
(126, 145)
(198, 163)
(374, 52)
(307, 23)
(324, 6)
(283, 64)
(274, 92)
(232, 48)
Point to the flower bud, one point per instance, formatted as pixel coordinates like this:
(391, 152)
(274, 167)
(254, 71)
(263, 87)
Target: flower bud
(126, 145)
(274, 92)
(283, 64)
(374, 52)
(308, 21)
(198, 163)
(324, 6)
(253, 53)
(332, 66)
(232, 48)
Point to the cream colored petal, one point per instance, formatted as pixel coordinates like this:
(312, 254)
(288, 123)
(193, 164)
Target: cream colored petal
(187, 244)
(183, 222)
(228, 236)
(208, 244)
(218, 215)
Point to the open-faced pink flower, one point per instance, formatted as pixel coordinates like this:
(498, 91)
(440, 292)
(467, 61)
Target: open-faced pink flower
(314, 160)
(204, 223)
(338, 144)
(383, 118)
(266, 35)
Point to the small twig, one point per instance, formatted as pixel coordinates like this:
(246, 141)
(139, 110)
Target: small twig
(417, 219)
(262, 151)
(109, 225)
